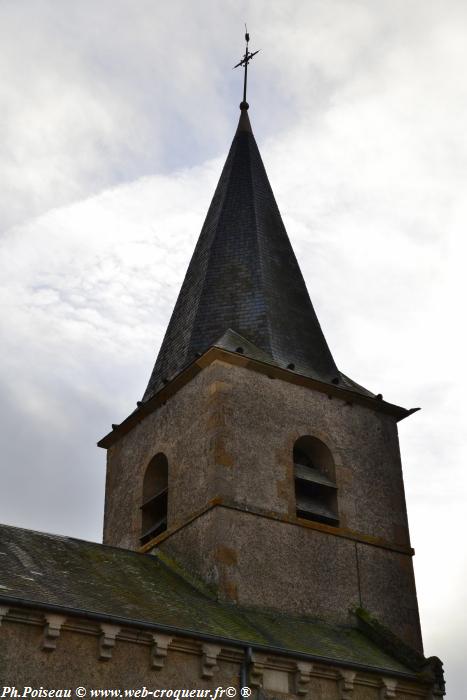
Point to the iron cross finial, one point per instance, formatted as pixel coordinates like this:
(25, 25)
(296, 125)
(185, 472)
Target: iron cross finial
(244, 62)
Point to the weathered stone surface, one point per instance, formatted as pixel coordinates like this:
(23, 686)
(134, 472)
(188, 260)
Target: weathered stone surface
(388, 590)
(298, 570)
(229, 435)
(180, 429)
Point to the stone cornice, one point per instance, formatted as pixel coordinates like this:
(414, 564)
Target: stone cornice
(110, 631)
(238, 360)
(289, 520)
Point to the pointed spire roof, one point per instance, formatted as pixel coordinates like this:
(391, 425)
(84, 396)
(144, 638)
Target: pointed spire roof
(244, 277)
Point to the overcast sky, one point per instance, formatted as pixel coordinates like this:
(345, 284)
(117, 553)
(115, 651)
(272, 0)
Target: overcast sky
(115, 119)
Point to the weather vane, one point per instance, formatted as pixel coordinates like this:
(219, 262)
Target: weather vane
(244, 62)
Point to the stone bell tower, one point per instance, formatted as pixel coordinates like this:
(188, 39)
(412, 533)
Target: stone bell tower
(252, 460)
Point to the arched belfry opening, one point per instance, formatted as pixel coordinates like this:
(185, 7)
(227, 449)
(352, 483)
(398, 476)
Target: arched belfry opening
(154, 501)
(315, 481)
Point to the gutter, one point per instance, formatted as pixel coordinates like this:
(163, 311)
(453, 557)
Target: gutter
(248, 647)
(245, 668)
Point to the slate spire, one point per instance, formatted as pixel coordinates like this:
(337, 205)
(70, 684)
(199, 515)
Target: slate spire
(244, 277)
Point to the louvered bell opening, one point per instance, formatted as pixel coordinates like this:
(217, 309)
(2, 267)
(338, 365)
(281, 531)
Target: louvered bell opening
(315, 495)
(154, 512)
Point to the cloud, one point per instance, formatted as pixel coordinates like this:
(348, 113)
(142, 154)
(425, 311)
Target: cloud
(116, 120)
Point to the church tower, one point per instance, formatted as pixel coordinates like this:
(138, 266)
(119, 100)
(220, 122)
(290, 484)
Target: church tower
(252, 460)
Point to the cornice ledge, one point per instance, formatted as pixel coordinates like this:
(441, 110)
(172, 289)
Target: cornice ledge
(239, 360)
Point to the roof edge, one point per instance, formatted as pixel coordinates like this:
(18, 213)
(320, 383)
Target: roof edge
(186, 632)
(239, 359)
(429, 669)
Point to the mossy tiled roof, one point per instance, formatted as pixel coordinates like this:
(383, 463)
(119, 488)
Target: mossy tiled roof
(94, 579)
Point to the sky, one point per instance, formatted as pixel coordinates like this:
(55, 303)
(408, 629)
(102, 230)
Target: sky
(115, 120)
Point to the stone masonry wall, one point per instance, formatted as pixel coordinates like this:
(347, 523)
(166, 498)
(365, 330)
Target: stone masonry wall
(257, 561)
(229, 435)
